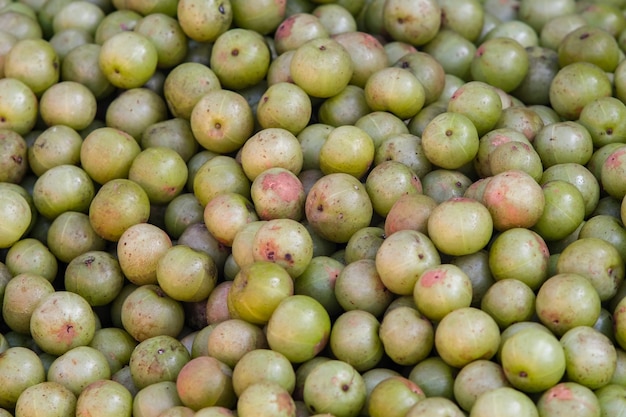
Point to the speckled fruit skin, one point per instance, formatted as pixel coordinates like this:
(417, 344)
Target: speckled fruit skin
(337, 206)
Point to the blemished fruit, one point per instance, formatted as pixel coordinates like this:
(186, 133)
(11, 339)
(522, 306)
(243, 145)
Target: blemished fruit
(343, 208)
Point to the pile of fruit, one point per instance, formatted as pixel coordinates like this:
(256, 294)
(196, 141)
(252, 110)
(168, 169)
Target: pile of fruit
(289, 208)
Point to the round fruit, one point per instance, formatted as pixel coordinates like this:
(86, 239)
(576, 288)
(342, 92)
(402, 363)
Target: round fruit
(450, 140)
(17, 212)
(334, 387)
(460, 226)
(337, 206)
(465, 335)
(128, 59)
(299, 328)
(321, 67)
(533, 360)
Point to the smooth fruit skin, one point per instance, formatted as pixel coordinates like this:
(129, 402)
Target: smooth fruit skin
(395, 90)
(321, 67)
(334, 387)
(460, 226)
(128, 59)
(500, 401)
(533, 360)
(19, 106)
(14, 207)
(61, 321)
(299, 328)
(413, 21)
(204, 21)
(575, 85)
(466, 334)
(48, 397)
(500, 62)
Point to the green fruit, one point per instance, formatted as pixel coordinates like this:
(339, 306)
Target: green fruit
(337, 206)
(590, 44)
(500, 400)
(257, 290)
(590, 356)
(46, 395)
(117, 205)
(509, 301)
(186, 274)
(567, 300)
(354, 339)
(265, 398)
(17, 212)
(479, 102)
(284, 105)
(500, 62)
(442, 289)
(395, 90)
(359, 287)
(598, 261)
(33, 62)
(567, 397)
(465, 335)
(205, 382)
(334, 387)
(407, 336)
(79, 367)
(96, 276)
(222, 121)
(576, 85)
(460, 226)
(399, 274)
(321, 67)
(128, 59)
(61, 321)
(450, 140)
(476, 378)
(204, 21)
(533, 361)
(563, 213)
(263, 365)
(21, 369)
(299, 328)
(157, 359)
(394, 397)
(240, 58)
(414, 22)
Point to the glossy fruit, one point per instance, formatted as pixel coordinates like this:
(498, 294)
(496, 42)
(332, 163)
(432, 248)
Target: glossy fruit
(400, 276)
(575, 85)
(257, 290)
(321, 67)
(501, 62)
(450, 140)
(457, 333)
(533, 360)
(567, 300)
(14, 207)
(414, 22)
(128, 70)
(333, 199)
(395, 90)
(61, 321)
(334, 387)
(472, 231)
(407, 336)
(299, 328)
(354, 339)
